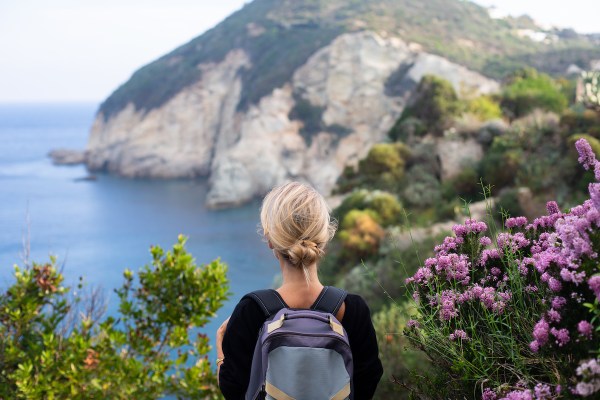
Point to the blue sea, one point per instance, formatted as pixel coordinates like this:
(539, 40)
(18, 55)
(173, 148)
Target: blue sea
(97, 229)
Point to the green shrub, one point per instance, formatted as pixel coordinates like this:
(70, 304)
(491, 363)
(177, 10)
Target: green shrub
(385, 207)
(423, 189)
(435, 103)
(407, 130)
(360, 234)
(48, 352)
(382, 158)
(484, 108)
(527, 90)
(585, 121)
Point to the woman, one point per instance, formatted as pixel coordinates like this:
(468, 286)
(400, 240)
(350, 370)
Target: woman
(297, 226)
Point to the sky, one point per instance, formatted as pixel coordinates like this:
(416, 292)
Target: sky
(82, 50)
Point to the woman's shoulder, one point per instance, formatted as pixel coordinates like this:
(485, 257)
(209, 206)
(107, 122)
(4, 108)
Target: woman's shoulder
(356, 307)
(356, 301)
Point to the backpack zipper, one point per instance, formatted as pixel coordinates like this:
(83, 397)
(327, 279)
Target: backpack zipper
(278, 334)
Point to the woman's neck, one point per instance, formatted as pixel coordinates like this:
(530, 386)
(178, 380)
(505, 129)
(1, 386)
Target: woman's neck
(295, 277)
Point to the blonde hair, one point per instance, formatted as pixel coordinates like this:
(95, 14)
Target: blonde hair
(295, 220)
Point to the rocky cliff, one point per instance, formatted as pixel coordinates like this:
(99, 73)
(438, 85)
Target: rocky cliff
(285, 90)
(202, 132)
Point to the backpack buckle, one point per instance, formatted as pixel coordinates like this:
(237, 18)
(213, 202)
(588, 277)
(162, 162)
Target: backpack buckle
(276, 324)
(337, 328)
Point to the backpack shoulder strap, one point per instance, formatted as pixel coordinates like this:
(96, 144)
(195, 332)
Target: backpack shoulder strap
(330, 300)
(268, 300)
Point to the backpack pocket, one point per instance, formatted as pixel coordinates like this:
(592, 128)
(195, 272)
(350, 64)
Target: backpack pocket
(306, 373)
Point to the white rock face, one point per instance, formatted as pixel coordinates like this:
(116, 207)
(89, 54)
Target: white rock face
(176, 140)
(456, 153)
(200, 133)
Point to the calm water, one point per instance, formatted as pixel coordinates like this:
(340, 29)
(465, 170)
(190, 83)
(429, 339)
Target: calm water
(97, 229)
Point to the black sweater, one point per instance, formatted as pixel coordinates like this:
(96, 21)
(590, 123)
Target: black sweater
(242, 333)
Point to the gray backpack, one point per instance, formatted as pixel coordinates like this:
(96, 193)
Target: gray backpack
(301, 354)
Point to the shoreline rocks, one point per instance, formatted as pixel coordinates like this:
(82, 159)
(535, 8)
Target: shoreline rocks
(68, 156)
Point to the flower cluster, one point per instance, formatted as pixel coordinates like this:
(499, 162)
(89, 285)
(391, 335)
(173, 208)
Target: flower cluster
(589, 373)
(548, 267)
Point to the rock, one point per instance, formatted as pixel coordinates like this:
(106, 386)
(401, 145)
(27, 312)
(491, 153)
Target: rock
(177, 140)
(201, 131)
(490, 129)
(67, 157)
(457, 153)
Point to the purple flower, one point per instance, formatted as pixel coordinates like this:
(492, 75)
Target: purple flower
(587, 158)
(531, 289)
(585, 329)
(489, 394)
(558, 302)
(540, 332)
(553, 315)
(488, 254)
(594, 190)
(413, 324)
(552, 208)
(514, 242)
(534, 346)
(594, 284)
(459, 334)
(570, 276)
(485, 241)
(447, 301)
(422, 276)
(554, 284)
(542, 391)
(561, 335)
(416, 297)
(470, 226)
(518, 395)
(515, 222)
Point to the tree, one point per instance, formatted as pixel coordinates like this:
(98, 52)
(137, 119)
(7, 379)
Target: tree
(152, 349)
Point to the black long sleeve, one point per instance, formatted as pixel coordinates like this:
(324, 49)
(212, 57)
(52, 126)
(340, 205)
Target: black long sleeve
(242, 333)
(363, 342)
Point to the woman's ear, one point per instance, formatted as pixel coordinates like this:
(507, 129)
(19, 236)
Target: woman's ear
(270, 244)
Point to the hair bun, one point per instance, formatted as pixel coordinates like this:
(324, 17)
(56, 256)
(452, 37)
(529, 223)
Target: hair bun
(308, 243)
(304, 253)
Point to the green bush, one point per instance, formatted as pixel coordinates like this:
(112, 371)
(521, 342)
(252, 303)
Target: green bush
(385, 207)
(360, 235)
(586, 121)
(435, 103)
(423, 189)
(384, 157)
(47, 351)
(407, 130)
(484, 108)
(527, 90)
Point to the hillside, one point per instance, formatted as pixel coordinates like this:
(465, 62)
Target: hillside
(280, 35)
(298, 90)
